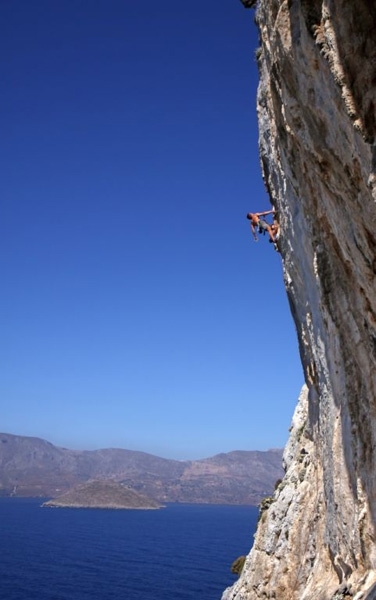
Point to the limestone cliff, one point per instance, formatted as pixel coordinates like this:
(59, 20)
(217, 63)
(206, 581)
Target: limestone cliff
(316, 109)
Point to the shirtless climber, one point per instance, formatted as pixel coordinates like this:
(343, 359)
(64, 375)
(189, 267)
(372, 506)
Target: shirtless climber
(262, 225)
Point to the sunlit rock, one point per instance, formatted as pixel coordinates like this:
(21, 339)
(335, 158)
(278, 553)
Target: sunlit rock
(317, 119)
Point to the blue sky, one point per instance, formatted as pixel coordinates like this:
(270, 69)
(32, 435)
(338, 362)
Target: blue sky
(137, 311)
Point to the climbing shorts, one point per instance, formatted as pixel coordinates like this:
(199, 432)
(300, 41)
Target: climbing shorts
(263, 226)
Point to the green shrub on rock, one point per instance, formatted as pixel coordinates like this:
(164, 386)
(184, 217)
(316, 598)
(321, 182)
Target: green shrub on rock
(237, 565)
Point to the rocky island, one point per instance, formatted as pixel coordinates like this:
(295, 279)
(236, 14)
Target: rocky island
(103, 494)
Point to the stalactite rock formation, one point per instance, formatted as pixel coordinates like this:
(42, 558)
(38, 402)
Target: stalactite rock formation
(316, 538)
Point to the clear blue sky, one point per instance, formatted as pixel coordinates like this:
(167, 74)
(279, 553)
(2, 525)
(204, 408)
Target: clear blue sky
(136, 310)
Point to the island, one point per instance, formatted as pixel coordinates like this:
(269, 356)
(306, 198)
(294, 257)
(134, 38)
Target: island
(103, 494)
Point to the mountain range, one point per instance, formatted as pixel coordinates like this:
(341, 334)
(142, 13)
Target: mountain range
(31, 466)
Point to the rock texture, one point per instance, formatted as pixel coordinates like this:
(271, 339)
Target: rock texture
(316, 109)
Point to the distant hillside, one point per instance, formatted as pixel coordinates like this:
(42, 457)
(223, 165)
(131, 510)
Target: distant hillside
(102, 494)
(33, 467)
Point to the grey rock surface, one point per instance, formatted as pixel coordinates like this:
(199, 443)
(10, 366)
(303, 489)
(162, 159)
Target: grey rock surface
(316, 110)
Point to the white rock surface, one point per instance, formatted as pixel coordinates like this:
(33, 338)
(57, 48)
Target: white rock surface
(317, 118)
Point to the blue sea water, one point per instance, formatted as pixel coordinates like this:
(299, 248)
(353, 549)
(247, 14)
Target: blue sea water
(181, 552)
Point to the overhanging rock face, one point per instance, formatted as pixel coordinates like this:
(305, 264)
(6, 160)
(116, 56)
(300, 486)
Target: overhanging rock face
(316, 540)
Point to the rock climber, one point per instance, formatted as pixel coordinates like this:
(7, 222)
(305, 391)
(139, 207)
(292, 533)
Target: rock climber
(262, 225)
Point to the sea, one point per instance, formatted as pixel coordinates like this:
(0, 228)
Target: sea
(180, 552)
